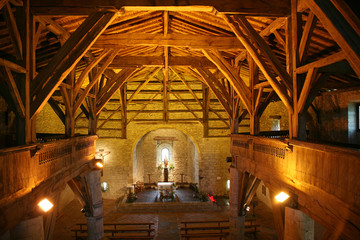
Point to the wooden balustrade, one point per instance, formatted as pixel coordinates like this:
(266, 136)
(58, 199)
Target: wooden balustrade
(324, 178)
(31, 172)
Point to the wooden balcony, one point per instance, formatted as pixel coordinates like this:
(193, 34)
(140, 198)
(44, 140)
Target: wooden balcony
(324, 179)
(29, 173)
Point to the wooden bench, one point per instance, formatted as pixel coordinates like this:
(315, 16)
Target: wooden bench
(204, 235)
(131, 231)
(205, 229)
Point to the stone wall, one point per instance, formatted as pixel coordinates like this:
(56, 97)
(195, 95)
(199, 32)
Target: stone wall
(335, 117)
(119, 171)
(272, 111)
(184, 159)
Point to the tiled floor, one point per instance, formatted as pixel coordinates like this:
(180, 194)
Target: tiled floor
(166, 224)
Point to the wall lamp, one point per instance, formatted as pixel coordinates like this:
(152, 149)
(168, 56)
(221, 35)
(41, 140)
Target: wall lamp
(45, 205)
(290, 198)
(282, 197)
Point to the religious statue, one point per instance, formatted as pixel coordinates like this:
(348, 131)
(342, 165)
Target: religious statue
(165, 161)
(166, 172)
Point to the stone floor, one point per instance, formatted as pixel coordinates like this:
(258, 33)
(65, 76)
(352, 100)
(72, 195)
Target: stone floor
(167, 223)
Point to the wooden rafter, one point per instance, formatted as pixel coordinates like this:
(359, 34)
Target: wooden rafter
(58, 111)
(340, 30)
(279, 87)
(67, 57)
(94, 80)
(13, 30)
(142, 85)
(207, 76)
(238, 84)
(14, 91)
(171, 40)
(310, 78)
(154, 61)
(186, 106)
(89, 67)
(100, 102)
(188, 87)
(306, 37)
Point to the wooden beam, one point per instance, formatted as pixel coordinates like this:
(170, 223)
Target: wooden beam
(14, 91)
(280, 89)
(59, 112)
(155, 61)
(348, 13)
(119, 40)
(188, 87)
(101, 102)
(265, 50)
(186, 106)
(142, 85)
(336, 57)
(123, 106)
(306, 37)
(206, 106)
(13, 30)
(67, 57)
(340, 30)
(236, 82)
(88, 68)
(13, 66)
(255, 7)
(207, 76)
(310, 78)
(94, 80)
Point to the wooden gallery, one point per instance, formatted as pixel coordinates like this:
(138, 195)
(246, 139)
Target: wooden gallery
(179, 119)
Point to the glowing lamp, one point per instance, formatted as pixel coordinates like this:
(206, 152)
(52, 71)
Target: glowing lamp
(45, 205)
(281, 197)
(99, 165)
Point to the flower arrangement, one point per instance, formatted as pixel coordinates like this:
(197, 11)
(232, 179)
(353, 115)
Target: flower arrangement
(203, 197)
(131, 197)
(160, 167)
(167, 194)
(171, 167)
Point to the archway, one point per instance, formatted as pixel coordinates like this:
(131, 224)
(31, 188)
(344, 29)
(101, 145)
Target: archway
(181, 153)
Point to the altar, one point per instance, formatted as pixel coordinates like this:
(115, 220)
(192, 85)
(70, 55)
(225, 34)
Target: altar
(166, 191)
(165, 185)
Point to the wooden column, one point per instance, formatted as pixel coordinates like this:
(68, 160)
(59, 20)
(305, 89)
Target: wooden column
(92, 105)
(95, 221)
(236, 216)
(25, 126)
(255, 96)
(123, 102)
(206, 105)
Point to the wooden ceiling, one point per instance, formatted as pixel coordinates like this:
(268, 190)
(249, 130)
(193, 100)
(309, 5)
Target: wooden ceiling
(158, 62)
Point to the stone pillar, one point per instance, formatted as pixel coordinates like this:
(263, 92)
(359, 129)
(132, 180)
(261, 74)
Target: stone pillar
(95, 222)
(298, 225)
(236, 216)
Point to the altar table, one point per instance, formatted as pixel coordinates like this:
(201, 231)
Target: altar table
(165, 185)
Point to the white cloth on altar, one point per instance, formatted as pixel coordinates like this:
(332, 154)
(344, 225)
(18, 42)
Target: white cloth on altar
(165, 185)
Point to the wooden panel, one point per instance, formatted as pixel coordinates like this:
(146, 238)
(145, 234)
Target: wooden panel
(29, 172)
(324, 178)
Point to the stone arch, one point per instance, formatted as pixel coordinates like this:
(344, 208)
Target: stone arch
(184, 156)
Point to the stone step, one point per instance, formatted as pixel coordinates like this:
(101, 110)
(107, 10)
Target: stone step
(168, 207)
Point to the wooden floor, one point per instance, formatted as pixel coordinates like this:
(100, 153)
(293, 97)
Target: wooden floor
(166, 224)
